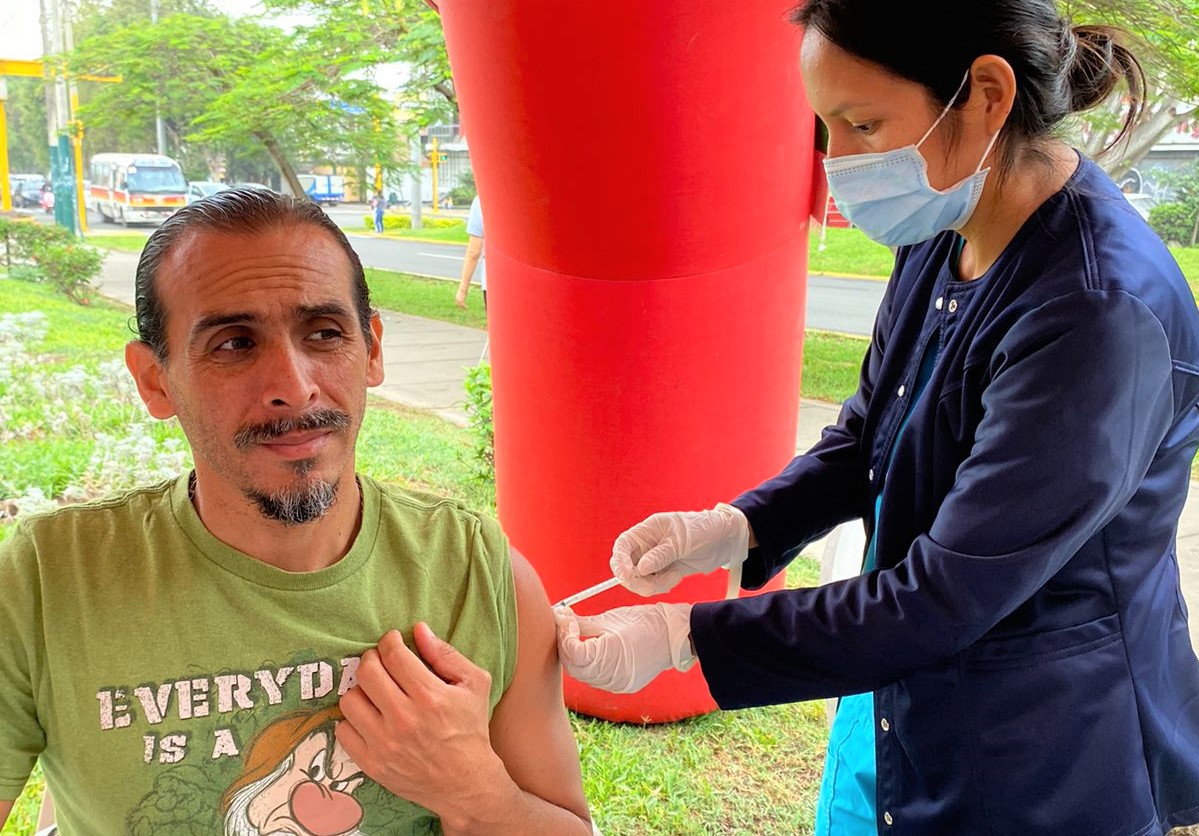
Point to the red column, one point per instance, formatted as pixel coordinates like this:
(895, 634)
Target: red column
(645, 176)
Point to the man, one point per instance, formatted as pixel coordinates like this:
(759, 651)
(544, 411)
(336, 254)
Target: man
(474, 255)
(199, 656)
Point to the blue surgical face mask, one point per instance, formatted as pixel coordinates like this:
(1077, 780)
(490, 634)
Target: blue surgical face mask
(888, 195)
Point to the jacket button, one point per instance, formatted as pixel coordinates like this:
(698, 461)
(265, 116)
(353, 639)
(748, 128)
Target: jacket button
(871, 474)
(887, 818)
(940, 301)
(902, 389)
(953, 305)
(885, 724)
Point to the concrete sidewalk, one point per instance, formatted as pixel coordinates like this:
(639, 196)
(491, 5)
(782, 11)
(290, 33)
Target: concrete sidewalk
(426, 361)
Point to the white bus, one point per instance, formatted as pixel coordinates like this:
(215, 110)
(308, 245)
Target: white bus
(136, 188)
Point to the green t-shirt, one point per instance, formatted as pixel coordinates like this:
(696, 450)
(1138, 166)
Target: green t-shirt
(172, 685)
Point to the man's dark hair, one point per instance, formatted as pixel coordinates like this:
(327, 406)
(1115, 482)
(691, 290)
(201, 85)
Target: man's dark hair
(240, 211)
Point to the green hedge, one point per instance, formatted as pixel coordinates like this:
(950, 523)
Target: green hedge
(52, 255)
(1174, 222)
(405, 222)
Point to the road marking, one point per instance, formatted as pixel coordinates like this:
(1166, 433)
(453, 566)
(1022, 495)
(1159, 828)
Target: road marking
(439, 255)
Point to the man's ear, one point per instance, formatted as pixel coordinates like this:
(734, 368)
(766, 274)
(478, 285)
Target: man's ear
(374, 362)
(151, 379)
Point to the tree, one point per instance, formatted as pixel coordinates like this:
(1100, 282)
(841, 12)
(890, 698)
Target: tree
(1166, 38)
(28, 148)
(95, 18)
(226, 82)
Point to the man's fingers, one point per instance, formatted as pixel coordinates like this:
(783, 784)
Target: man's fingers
(349, 737)
(393, 671)
(444, 659)
(359, 710)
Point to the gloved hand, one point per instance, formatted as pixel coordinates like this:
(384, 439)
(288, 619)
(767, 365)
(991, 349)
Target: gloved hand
(631, 645)
(658, 552)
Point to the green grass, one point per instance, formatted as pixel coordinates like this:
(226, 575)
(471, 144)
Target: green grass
(830, 365)
(22, 821)
(430, 298)
(848, 252)
(1188, 260)
(683, 778)
(129, 242)
(755, 771)
(97, 331)
(448, 235)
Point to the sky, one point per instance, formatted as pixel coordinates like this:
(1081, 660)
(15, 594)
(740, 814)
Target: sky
(21, 32)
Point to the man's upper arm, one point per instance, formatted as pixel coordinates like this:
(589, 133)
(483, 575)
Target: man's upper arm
(532, 708)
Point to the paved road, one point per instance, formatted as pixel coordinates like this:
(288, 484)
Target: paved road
(834, 303)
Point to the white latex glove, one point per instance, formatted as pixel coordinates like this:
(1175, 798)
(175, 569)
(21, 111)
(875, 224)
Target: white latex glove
(658, 552)
(631, 645)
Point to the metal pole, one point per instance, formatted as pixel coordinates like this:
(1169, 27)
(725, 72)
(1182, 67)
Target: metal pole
(49, 24)
(434, 159)
(160, 133)
(416, 183)
(76, 126)
(5, 188)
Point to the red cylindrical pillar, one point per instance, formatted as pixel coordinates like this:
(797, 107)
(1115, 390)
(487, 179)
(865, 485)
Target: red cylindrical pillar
(645, 177)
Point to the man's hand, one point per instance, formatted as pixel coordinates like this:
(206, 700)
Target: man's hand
(658, 552)
(421, 732)
(622, 650)
(460, 298)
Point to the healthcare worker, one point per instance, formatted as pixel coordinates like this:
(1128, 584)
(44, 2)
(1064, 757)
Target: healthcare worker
(1019, 449)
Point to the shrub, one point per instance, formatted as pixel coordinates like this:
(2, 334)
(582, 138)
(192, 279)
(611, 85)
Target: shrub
(465, 191)
(1174, 222)
(405, 222)
(478, 410)
(53, 255)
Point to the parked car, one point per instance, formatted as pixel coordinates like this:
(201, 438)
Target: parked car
(47, 198)
(27, 189)
(251, 186)
(200, 189)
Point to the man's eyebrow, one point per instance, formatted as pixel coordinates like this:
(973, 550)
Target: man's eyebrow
(327, 309)
(207, 323)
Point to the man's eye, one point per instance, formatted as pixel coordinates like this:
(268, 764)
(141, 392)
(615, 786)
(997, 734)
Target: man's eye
(235, 344)
(326, 335)
(865, 127)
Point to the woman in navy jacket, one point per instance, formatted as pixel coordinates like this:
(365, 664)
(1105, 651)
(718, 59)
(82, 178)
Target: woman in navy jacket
(1019, 449)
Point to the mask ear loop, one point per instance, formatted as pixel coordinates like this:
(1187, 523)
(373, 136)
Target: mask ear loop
(987, 153)
(952, 99)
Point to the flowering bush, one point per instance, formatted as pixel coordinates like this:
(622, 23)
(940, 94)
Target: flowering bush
(73, 433)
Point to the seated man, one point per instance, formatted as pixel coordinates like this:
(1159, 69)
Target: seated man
(200, 656)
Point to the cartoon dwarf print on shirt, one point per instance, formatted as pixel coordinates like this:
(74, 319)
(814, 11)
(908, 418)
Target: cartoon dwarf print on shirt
(254, 754)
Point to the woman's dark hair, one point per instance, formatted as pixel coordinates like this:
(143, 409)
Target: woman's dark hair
(240, 211)
(1060, 68)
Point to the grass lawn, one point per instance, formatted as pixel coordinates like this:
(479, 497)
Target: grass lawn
(129, 242)
(848, 252)
(431, 298)
(1188, 260)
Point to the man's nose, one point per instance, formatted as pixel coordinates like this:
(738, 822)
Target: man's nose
(287, 378)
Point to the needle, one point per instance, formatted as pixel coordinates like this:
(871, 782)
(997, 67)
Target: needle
(589, 592)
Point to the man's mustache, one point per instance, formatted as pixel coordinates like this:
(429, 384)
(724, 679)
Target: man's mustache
(317, 419)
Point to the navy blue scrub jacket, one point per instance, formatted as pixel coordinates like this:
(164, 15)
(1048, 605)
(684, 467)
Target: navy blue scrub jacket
(1024, 632)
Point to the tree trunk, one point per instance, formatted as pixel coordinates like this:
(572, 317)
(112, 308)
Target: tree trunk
(281, 161)
(1150, 132)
